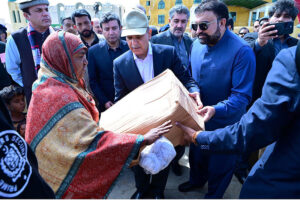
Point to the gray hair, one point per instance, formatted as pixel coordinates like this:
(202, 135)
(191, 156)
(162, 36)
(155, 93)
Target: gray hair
(179, 9)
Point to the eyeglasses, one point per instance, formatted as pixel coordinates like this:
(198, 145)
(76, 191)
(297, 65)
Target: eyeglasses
(242, 34)
(203, 26)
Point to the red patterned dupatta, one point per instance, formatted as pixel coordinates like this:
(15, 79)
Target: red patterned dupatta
(75, 157)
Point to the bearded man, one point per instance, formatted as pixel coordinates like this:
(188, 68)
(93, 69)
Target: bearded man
(82, 20)
(224, 67)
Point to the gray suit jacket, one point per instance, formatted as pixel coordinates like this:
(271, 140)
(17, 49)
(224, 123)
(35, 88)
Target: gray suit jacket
(165, 38)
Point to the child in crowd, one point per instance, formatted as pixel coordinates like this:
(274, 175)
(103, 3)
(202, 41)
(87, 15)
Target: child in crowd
(15, 102)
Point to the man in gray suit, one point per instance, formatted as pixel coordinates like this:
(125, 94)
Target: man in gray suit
(178, 19)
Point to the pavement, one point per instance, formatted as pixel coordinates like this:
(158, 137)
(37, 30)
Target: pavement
(125, 185)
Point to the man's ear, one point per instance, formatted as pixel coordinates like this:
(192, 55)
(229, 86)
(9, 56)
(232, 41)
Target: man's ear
(223, 22)
(150, 33)
(26, 15)
(92, 23)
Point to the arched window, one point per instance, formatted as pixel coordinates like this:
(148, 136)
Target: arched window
(79, 6)
(177, 2)
(161, 4)
(197, 1)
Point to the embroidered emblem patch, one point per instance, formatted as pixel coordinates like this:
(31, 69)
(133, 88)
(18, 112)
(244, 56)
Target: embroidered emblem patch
(15, 170)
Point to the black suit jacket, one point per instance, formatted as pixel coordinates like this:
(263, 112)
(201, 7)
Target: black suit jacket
(264, 59)
(100, 69)
(127, 76)
(165, 38)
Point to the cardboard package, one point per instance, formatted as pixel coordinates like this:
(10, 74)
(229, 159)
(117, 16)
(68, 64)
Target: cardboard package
(150, 105)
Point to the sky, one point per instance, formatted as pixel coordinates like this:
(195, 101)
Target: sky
(4, 12)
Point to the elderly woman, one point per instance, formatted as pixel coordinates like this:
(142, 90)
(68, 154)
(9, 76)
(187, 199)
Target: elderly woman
(76, 158)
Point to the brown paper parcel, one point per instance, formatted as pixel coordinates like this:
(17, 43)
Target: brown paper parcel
(151, 104)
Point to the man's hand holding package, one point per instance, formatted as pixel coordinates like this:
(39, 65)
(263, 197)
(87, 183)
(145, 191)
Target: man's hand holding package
(108, 104)
(196, 97)
(190, 134)
(207, 113)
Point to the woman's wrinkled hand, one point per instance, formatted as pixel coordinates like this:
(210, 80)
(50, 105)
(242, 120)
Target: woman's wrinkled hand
(157, 132)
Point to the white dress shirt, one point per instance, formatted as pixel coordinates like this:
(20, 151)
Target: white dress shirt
(145, 66)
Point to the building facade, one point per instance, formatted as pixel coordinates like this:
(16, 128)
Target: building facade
(243, 12)
(61, 10)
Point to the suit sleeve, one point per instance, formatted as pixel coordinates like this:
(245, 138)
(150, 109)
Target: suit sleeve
(269, 116)
(120, 88)
(182, 73)
(93, 77)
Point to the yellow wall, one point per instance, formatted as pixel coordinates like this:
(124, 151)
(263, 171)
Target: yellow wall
(242, 15)
(153, 10)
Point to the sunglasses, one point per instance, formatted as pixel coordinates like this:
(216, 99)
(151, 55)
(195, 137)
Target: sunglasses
(203, 25)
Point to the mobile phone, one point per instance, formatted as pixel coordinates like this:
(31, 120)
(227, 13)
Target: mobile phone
(283, 28)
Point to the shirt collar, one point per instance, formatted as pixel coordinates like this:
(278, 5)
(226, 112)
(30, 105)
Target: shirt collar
(149, 52)
(95, 41)
(118, 48)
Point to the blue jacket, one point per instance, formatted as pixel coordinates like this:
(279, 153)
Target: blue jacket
(100, 69)
(274, 119)
(225, 74)
(127, 76)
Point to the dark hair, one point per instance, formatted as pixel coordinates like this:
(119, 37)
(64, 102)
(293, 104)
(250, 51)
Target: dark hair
(3, 29)
(80, 13)
(230, 22)
(20, 124)
(65, 18)
(154, 30)
(7, 93)
(263, 19)
(217, 7)
(107, 17)
(243, 28)
(26, 10)
(287, 6)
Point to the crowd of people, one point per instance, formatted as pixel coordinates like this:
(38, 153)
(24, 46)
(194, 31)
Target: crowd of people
(55, 83)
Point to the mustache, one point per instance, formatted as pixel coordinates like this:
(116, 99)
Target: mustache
(203, 34)
(178, 29)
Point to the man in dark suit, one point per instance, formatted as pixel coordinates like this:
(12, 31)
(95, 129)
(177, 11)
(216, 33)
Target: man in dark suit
(101, 56)
(140, 64)
(178, 19)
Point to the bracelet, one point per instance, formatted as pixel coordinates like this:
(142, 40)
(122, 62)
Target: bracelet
(195, 134)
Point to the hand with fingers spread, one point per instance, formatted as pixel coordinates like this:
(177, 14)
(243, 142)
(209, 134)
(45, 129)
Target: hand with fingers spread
(190, 134)
(157, 132)
(207, 113)
(265, 33)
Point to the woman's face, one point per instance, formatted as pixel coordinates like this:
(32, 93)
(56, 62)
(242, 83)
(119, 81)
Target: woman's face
(80, 63)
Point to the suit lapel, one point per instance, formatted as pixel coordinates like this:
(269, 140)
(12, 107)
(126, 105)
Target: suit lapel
(168, 38)
(133, 71)
(156, 61)
(106, 55)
